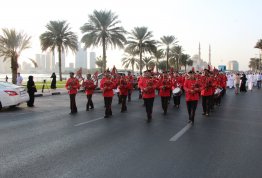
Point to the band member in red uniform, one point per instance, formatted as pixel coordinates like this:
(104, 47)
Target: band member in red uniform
(131, 83)
(123, 87)
(207, 92)
(177, 82)
(72, 85)
(165, 86)
(89, 87)
(148, 87)
(107, 85)
(192, 89)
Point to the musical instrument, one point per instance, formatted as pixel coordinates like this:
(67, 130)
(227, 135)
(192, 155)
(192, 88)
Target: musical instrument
(177, 91)
(217, 92)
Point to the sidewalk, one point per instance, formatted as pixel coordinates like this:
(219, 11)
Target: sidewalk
(58, 91)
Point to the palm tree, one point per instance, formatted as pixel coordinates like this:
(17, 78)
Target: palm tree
(185, 60)
(147, 61)
(175, 56)
(141, 40)
(158, 54)
(259, 46)
(100, 63)
(12, 44)
(162, 65)
(59, 36)
(102, 29)
(168, 41)
(130, 59)
(254, 64)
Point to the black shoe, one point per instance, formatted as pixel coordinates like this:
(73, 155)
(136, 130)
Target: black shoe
(92, 108)
(203, 113)
(106, 116)
(189, 121)
(207, 114)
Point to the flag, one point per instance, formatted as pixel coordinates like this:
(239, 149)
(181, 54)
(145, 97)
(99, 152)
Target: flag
(95, 75)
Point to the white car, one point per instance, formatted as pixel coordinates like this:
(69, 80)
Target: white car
(12, 95)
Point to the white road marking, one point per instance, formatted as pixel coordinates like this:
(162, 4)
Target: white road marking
(180, 133)
(87, 122)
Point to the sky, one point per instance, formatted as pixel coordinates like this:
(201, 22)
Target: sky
(231, 27)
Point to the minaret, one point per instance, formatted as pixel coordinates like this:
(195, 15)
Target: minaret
(199, 52)
(209, 56)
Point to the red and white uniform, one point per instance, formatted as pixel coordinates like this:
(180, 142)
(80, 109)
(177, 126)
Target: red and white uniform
(72, 85)
(192, 87)
(207, 88)
(123, 86)
(165, 86)
(89, 86)
(148, 86)
(107, 85)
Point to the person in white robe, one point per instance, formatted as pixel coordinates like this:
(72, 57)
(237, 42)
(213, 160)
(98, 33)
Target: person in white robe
(250, 81)
(231, 81)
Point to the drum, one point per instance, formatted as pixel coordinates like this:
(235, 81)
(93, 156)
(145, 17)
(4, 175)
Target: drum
(116, 91)
(177, 91)
(217, 92)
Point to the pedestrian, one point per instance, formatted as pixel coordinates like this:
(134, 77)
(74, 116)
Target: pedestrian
(250, 81)
(236, 82)
(31, 89)
(243, 81)
(107, 85)
(259, 78)
(192, 89)
(19, 79)
(6, 78)
(89, 87)
(148, 86)
(72, 85)
(164, 86)
(207, 92)
(53, 82)
(123, 87)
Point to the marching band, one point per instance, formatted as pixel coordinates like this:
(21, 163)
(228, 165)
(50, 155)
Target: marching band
(208, 85)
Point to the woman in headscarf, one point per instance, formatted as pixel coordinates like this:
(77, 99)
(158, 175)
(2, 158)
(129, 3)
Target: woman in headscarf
(53, 83)
(243, 83)
(31, 89)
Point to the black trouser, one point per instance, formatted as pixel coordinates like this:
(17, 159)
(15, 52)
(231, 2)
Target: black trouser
(73, 103)
(217, 99)
(149, 102)
(176, 100)
(206, 104)
(164, 101)
(108, 102)
(31, 99)
(119, 98)
(259, 84)
(123, 101)
(129, 95)
(89, 101)
(191, 109)
(140, 94)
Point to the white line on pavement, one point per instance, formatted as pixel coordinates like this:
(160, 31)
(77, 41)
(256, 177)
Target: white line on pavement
(180, 133)
(87, 122)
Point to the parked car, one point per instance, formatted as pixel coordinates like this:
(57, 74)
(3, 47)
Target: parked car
(12, 95)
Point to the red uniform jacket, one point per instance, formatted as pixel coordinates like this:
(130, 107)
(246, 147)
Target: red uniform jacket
(130, 80)
(72, 85)
(89, 86)
(107, 86)
(207, 88)
(123, 86)
(148, 86)
(192, 88)
(165, 86)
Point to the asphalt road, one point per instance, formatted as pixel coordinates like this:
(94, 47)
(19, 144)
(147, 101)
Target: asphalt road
(45, 141)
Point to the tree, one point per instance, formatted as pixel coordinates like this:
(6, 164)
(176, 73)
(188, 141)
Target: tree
(254, 64)
(158, 54)
(141, 40)
(175, 56)
(100, 63)
(162, 65)
(168, 41)
(130, 59)
(185, 60)
(259, 46)
(59, 36)
(102, 29)
(12, 44)
(147, 61)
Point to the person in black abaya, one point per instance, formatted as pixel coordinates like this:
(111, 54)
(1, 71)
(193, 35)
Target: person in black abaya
(53, 82)
(31, 89)
(243, 83)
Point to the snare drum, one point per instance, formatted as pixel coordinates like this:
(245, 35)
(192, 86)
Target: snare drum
(217, 92)
(177, 91)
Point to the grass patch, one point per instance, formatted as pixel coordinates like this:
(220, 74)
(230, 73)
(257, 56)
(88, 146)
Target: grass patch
(59, 84)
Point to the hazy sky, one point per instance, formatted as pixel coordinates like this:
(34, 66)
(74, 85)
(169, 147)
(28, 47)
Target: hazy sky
(231, 27)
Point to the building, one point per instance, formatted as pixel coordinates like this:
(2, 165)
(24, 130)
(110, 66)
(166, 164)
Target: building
(233, 65)
(81, 58)
(92, 60)
(222, 68)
